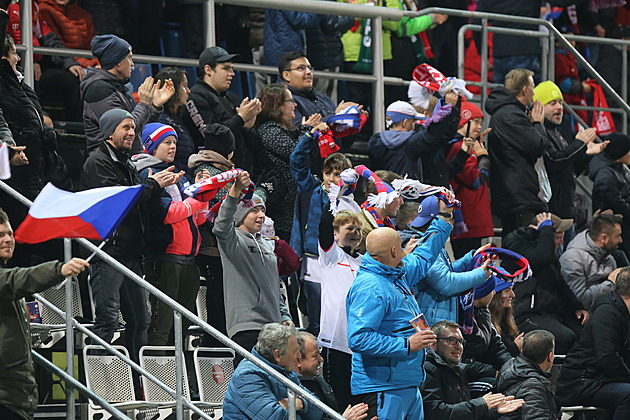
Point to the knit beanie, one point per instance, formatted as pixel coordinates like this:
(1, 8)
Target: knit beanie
(219, 137)
(619, 145)
(485, 288)
(546, 92)
(110, 120)
(244, 206)
(468, 111)
(154, 133)
(110, 50)
(501, 285)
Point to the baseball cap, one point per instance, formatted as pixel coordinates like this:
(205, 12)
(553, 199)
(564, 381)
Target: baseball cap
(400, 111)
(427, 210)
(213, 55)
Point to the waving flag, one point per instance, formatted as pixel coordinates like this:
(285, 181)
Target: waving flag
(346, 122)
(91, 214)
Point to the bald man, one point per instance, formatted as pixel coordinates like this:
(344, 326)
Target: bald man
(388, 353)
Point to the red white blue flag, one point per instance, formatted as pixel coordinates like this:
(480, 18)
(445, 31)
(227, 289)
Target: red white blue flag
(90, 214)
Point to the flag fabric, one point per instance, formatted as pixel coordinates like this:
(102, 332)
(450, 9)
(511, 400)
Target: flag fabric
(346, 122)
(90, 214)
(206, 190)
(5, 168)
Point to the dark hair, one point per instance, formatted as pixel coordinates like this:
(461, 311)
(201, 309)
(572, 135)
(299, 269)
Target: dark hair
(603, 223)
(385, 176)
(336, 161)
(271, 99)
(537, 345)
(7, 45)
(622, 284)
(502, 318)
(4, 218)
(441, 325)
(285, 61)
(517, 79)
(177, 75)
(406, 213)
(302, 336)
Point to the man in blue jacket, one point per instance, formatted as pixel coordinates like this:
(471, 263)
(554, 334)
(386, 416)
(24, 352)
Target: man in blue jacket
(388, 354)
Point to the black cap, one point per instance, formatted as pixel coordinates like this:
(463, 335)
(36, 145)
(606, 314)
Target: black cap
(213, 55)
(619, 145)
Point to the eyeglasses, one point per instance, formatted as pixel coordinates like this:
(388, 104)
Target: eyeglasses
(453, 341)
(289, 100)
(302, 68)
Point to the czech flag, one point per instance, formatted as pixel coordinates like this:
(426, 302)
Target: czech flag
(90, 214)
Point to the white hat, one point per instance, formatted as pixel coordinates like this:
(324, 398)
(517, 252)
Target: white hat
(400, 111)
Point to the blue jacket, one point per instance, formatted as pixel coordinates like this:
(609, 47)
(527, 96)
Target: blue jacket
(253, 394)
(311, 102)
(379, 307)
(437, 294)
(310, 202)
(284, 32)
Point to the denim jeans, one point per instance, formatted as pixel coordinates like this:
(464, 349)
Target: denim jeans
(112, 292)
(614, 396)
(503, 65)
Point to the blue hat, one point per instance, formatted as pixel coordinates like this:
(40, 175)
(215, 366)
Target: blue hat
(154, 133)
(485, 288)
(110, 50)
(502, 285)
(428, 209)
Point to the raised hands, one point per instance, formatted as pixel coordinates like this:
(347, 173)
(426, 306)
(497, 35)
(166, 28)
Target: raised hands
(156, 94)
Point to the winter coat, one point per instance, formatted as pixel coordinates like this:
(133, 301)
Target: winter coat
(277, 145)
(311, 201)
(471, 188)
(185, 143)
(5, 132)
(437, 293)
(172, 232)
(284, 32)
(524, 379)
(72, 24)
(323, 42)
(254, 394)
(404, 152)
(611, 185)
(585, 267)
(446, 393)
(207, 106)
(107, 167)
(102, 91)
(563, 161)
(379, 307)
(18, 389)
(484, 345)
(601, 353)
(546, 292)
(311, 102)
(514, 146)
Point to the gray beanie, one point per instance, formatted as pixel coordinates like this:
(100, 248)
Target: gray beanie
(245, 206)
(110, 50)
(110, 120)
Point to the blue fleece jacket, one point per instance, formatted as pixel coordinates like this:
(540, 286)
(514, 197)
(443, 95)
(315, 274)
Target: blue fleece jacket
(379, 307)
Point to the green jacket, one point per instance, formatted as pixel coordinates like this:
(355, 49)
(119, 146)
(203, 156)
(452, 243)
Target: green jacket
(405, 27)
(18, 389)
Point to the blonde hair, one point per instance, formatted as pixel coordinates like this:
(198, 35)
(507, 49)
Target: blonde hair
(344, 217)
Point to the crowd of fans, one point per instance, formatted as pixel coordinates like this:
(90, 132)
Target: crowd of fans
(396, 323)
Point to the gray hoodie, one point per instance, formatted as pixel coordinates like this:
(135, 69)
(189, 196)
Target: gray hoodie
(250, 275)
(585, 267)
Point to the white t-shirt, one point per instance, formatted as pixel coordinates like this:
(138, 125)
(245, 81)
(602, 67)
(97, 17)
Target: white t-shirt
(338, 272)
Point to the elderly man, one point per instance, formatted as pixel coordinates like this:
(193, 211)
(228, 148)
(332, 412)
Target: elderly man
(253, 394)
(388, 351)
(18, 389)
(445, 391)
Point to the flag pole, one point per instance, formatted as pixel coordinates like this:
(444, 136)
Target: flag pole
(63, 283)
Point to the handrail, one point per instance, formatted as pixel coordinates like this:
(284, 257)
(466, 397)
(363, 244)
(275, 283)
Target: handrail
(186, 313)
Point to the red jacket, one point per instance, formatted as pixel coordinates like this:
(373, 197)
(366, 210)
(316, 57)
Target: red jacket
(72, 23)
(471, 189)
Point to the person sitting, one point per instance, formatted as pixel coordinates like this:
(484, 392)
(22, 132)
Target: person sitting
(501, 313)
(527, 378)
(253, 394)
(596, 372)
(445, 392)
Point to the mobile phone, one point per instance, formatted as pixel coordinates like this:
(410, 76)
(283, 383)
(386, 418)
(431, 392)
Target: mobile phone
(467, 129)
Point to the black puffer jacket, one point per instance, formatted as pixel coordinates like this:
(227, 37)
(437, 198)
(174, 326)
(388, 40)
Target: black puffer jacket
(484, 344)
(611, 185)
(107, 167)
(524, 379)
(546, 292)
(563, 161)
(600, 355)
(445, 392)
(514, 146)
(324, 42)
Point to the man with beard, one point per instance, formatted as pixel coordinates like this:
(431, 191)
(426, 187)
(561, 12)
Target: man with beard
(564, 159)
(587, 264)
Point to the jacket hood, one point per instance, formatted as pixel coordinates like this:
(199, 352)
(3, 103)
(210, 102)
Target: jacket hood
(520, 369)
(501, 97)
(143, 161)
(584, 243)
(600, 162)
(393, 139)
(94, 74)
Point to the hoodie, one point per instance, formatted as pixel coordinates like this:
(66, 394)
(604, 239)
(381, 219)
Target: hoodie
(251, 280)
(514, 145)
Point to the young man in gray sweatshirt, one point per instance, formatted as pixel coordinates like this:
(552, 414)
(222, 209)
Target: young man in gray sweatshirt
(251, 280)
